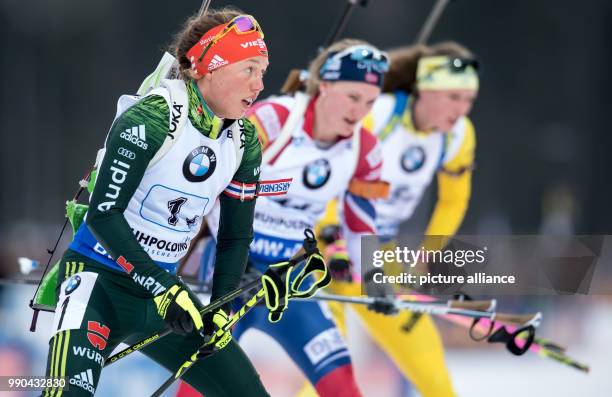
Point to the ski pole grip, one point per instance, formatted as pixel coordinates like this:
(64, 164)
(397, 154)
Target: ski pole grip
(483, 306)
(518, 319)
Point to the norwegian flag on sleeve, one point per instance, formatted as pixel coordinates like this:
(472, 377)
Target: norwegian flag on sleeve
(241, 191)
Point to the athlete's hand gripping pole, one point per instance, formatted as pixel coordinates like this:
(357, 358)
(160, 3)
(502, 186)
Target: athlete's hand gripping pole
(177, 306)
(213, 306)
(276, 283)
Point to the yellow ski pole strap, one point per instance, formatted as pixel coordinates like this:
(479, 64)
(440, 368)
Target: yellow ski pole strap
(276, 289)
(279, 287)
(315, 266)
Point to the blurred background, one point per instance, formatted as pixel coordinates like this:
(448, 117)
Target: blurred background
(542, 130)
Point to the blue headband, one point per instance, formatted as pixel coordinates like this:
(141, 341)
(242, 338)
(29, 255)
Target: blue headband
(356, 63)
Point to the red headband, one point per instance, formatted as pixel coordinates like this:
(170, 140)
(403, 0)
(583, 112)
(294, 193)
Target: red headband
(231, 48)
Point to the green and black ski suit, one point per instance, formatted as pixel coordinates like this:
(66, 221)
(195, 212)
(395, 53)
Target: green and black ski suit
(161, 171)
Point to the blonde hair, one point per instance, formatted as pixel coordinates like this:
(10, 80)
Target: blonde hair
(193, 30)
(404, 61)
(312, 85)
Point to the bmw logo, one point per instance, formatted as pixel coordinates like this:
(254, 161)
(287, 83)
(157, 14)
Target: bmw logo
(316, 174)
(413, 159)
(73, 283)
(200, 164)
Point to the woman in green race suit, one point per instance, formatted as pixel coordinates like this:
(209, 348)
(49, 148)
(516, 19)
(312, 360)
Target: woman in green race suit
(168, 157)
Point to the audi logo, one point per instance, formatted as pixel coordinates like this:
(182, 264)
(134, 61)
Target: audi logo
(126, 153)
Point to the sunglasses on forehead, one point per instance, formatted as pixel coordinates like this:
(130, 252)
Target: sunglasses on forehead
(241, 24)
(367, 55)
(456, 65)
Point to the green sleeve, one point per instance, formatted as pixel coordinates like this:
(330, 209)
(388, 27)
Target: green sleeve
(236, 221)
(134, 139)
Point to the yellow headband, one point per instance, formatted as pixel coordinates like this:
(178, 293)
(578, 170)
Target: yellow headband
(437, 73)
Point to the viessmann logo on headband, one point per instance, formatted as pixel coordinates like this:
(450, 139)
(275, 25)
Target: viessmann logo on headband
(239, 39)
(255, 43)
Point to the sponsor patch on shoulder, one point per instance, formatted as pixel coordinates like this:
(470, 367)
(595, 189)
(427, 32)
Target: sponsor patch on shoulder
(276, 187)
(249, 191)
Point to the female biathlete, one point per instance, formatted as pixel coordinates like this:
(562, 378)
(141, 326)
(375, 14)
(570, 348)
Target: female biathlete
(167, 158)
(316, 140)
(421, 122)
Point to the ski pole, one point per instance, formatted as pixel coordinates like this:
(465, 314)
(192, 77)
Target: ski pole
(481, 305)
(296, 77)
(431, 21)
(302, 254)
(343, 21)
(471, 309)
(195, 356)
(542, 347)
(207, 309)
(229, 297)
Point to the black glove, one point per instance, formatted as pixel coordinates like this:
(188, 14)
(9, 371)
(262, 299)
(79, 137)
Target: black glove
(384, 302)
(215, 336)
(384, 305)
(329, 234)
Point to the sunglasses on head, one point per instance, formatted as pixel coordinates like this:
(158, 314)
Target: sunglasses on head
(456, 65)
(241, 24)
(367, 55)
